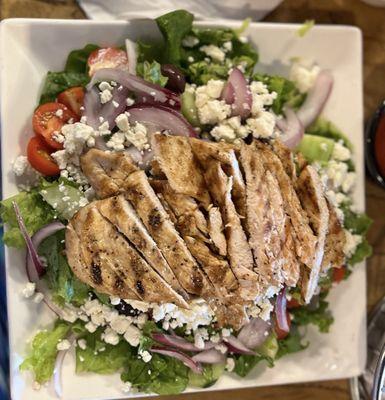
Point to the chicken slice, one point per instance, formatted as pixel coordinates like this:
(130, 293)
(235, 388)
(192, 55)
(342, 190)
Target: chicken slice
(121, 214)
(310, 191)
(105, 249)
(106, 171)
(216, 229)
(305, 240)
(286, 157)
(159, 226)
(176, 160)
(225, 154)
(334, 256)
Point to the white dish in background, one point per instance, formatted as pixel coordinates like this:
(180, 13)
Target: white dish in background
(29, 48)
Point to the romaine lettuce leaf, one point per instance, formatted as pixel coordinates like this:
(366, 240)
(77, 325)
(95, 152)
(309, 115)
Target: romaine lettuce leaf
(287, 92)
(292, 343)
(34, 210)
(363, 251)
(151, 72)
(41, 360)
(245, 363)
(357, 223)
(57, 82)
(77, 59)
(318, 314)
(64, 285)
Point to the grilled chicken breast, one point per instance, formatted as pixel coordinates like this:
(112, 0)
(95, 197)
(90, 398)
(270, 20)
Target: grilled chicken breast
(106, 171)
(112, 264)
(216, 228)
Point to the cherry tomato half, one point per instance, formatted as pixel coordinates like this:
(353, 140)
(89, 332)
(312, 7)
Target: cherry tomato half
(38, 154)
(48, 119)
(339, 274)
(281, 334)
(293, 303)
(108, 57)
(73, 98)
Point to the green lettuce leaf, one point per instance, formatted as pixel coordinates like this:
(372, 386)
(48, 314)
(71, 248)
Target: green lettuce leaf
(318, 315)
(77, 59)
(151, 72)
(245, 363)
(57, 82)
(292, 343)
(34, 210)
(323, 127)
(363, 251)
(64, 285)
(108, 358)
(357, 223)
(287, 92)
(202, 71)
(41, 360)
(174, 26)
(167, 376)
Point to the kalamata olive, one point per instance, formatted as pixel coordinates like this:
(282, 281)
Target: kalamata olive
(176, 80)
(126, 309)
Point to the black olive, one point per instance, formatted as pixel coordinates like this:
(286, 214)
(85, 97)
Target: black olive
(125, 309)
(176, 80)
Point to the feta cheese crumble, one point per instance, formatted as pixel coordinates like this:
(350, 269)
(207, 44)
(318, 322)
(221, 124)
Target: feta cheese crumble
(214, 52)
(190, 41)
(63, 345)
(28, 290)
(303, 75)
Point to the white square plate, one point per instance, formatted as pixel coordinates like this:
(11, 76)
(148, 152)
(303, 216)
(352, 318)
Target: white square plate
(29, 48)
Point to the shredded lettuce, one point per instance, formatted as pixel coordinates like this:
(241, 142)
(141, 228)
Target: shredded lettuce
(305, 28)
(34, 210)
(41, 360)
(64, 285)
(151, 72)
(287, 92)
(316, 314)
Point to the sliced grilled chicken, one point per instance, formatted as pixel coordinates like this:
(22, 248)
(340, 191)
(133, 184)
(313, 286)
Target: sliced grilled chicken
(335, 241)
(291, 266)
(106, 171)
(309, 189)
(305, 240)
(176, 160)
(159, 226)
(225, 154)
(121, 214)
(286, 157)
(216, 230)
(105, 251)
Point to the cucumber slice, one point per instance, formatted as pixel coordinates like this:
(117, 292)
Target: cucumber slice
(211, 373)
(269, 348)
(189, 109)
(54, 194)
(316, 148)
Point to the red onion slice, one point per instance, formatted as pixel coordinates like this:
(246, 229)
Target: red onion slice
(253, 334)
(236, 346)
(211, 356)
(179, 342)
(131, 55)
(138, 86)
(228, 94)
(292, 129)
(158, 119)
(57, 372)
(316, 98)
(92, 107)
(242, 98)
(280, 311)
(186, 360)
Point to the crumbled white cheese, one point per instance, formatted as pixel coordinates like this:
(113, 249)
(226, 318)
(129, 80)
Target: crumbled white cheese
(349, 182)
(227, 46)
(91, 327)
(352, 241)
(226, 332)
(59, 113)
(243, 39)
(222, 348)
(20, 165)
(263, 125)
(340, 152)
(190, 41)
(214, 52)
(104, 129)
(110, 336)
(261, 97)
(214, 88)
(129, 102)
(114, 300)
(38, 298)
(82, 344)
(145, 355)
(303, 76)
(126, 388)
(230, 364)
(105, 96)
(116, 141)
(120, 324)
(28, 290)
(138, 305)
(122, 122)
(216, 338)
(105, 86)
(223, 132)
(63, 345)
(132, 335)
(137, 136)
(200, 335)
(190, 59)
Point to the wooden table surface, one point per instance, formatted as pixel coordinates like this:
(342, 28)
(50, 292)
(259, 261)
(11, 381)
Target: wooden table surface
(349, 12)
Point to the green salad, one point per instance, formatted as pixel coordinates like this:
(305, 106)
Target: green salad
(204, 84)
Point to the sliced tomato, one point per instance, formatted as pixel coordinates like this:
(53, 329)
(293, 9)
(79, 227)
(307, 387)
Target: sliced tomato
(293, 303)
(38, 154)
(108, 57)
(281, 334)
(48, 119)
(339, 274)
(73, 98)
